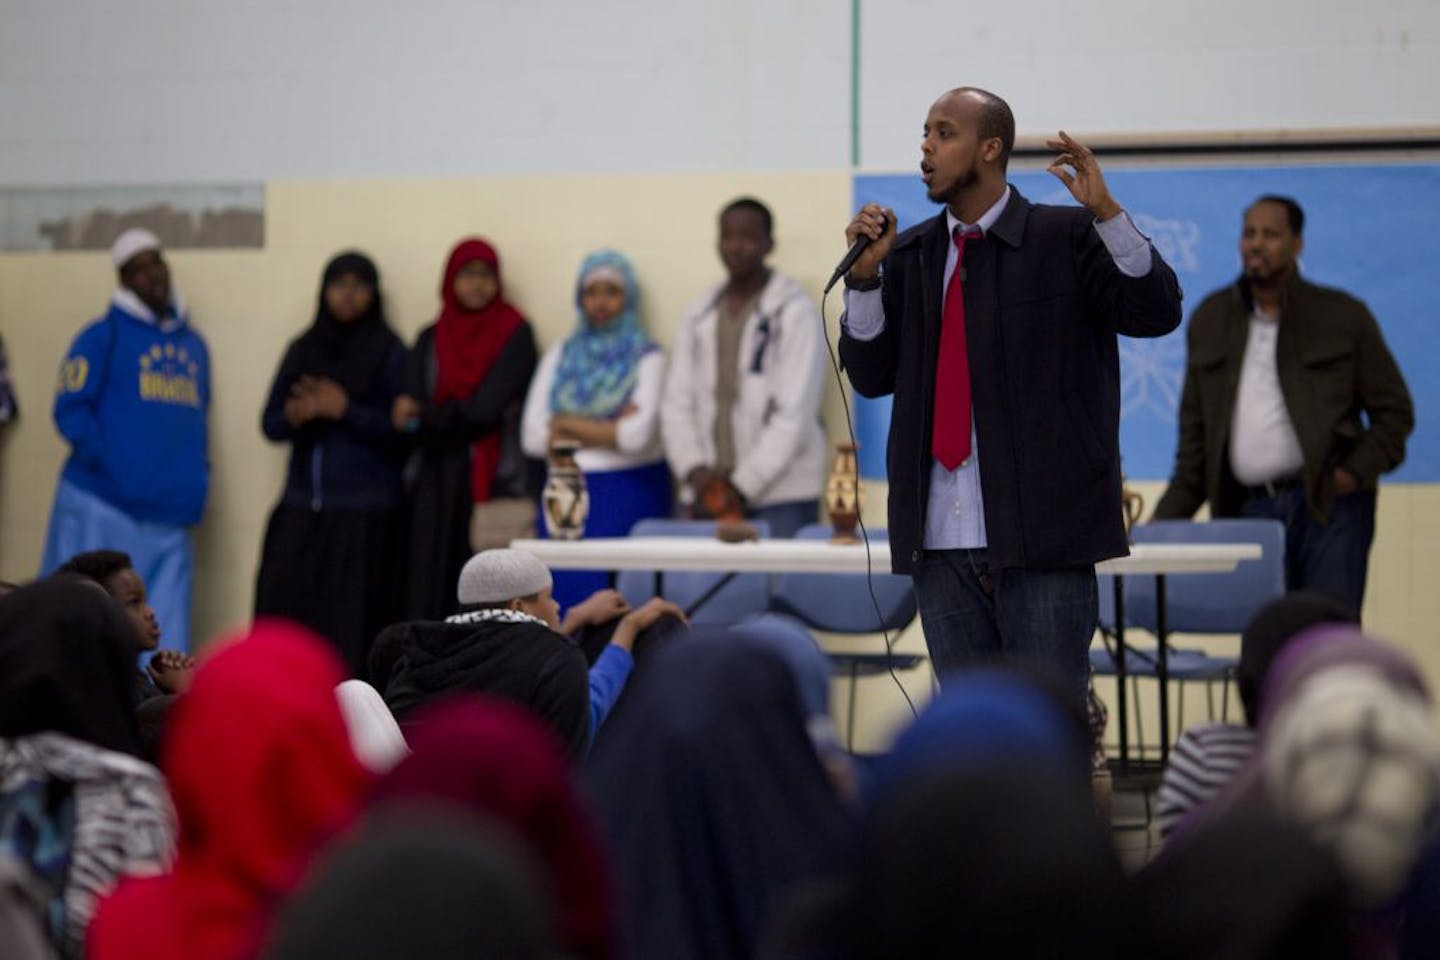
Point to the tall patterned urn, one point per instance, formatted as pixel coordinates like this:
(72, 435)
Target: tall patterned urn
(842, 494)
(566, 502)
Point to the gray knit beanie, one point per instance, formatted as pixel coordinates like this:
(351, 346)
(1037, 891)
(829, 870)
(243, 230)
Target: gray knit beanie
(495, 576)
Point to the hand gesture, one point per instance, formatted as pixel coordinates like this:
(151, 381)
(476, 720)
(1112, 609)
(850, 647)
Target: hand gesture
(877, 223)
(171, 671)
(328, 398)
(560, 428)
(299, 410)
(1086, 184)
(600, 607)
(405, 413)
(645, 615)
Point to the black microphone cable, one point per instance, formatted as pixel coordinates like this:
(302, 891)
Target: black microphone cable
(860, 518)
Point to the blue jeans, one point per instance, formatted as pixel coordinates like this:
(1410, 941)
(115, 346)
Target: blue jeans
(972, 614)
(1331, 558)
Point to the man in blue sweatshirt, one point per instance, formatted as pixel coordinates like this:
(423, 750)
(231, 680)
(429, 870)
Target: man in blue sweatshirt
(132, 398)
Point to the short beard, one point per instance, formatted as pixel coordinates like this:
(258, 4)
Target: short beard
(946, 197)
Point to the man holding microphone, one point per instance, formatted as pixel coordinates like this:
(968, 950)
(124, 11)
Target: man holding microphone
(994, 326)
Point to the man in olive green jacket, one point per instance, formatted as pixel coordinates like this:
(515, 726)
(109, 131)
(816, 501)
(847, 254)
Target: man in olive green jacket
(1279, 372)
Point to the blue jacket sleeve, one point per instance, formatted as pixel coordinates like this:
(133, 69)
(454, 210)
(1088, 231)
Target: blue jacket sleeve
(77, 394)
(607, 681)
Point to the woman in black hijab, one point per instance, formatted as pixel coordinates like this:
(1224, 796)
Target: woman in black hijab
(328, 558)
(79, 810)
(714, 801)
(67, 664)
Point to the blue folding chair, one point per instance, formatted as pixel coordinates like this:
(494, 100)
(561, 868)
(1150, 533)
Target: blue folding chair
(1211, 604)
(706, 597)
(842, 603)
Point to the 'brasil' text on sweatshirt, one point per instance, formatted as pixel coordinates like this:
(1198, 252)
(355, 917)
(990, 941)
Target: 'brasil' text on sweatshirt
(131, 401)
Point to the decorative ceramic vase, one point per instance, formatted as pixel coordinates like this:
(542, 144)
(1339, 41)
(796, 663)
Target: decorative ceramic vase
(566, 501)
(842, 494)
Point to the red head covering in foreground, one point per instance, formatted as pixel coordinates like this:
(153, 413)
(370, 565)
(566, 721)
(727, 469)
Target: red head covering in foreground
(261, 770)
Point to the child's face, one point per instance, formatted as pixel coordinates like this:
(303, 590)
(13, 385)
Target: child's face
(476, 285)
(602, 301)
(129, 591)
(348, 298)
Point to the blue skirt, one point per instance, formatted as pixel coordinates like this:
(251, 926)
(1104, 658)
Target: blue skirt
(618, 500)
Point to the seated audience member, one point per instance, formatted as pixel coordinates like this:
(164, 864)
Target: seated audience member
(433, 886)
(713, 800)
(982, 839)
(132, 402)
(465, 383)
(330, 556)
(169, 671)
(261, 770)
(1207, 757)
(77, 808)
(374, 734)
(600, 388)
(811, 670)
(1349, 751)
(494, 760)
(1244, 886)
(741, 408)
(510, 642)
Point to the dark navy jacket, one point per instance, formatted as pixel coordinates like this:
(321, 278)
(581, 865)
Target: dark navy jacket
(349, 464)
(1043, 304)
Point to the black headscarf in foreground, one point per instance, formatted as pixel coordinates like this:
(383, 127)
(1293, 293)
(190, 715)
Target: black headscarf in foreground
(352, 354)
(987, 860)
(67, 664)
(713, 799)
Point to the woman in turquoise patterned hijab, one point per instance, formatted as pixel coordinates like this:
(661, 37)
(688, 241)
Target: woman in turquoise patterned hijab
(601, 388)
(598, 366)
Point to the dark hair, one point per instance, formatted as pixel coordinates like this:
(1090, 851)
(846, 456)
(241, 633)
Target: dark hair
(1277, 623)
(1293, 212)
(755, 207)
(996, 121)
(98, 565)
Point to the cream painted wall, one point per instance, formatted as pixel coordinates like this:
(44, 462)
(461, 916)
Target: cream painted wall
(249, 304)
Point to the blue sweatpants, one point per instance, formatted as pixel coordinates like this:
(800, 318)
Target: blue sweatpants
(162, 554)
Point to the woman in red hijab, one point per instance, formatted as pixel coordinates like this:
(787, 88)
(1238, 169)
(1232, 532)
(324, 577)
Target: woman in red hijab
(495, 759)
(261, 771)
(465, 385)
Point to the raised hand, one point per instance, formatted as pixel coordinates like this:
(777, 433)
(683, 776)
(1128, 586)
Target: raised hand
(1086, 183)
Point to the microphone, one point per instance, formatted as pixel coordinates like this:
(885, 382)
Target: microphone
(851, 255)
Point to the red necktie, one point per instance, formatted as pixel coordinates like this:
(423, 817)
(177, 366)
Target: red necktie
(950, 440)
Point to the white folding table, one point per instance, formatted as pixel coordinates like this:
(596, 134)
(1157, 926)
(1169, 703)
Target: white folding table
(704, 554)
